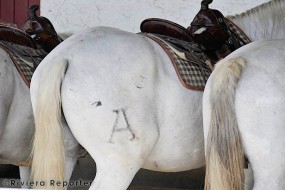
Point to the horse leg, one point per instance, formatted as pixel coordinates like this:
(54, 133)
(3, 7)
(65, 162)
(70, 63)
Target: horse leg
(248, 174)
(114, 175)
(71, 158)
(71, 151)
(117, 172)
(118, 155)
(25, 173)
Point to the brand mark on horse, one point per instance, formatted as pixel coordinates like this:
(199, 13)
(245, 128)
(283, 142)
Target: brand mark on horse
(121, 111)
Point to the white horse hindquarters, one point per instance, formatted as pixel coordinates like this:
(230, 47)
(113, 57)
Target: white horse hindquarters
(260, 110)
(119, 97)
(259, 107)
(111, 120)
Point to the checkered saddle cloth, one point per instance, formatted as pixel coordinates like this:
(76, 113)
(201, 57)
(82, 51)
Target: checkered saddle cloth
(237, 33)
(193, 67)
(194, 70)
(25, 59)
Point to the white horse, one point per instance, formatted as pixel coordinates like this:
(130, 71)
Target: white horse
(16, 118)
(244, 115)
(123, 103)
(15, 111)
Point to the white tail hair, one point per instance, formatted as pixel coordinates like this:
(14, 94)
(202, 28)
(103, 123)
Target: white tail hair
(48, 146)
(224, 153)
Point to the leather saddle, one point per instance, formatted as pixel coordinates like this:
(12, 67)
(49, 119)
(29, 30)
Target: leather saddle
(37, 33)
(210, 38)
(173, 34)
(28, 47)
(41, 30)
(165, 28)
(16, 36)
(210, 32)
(36, 39)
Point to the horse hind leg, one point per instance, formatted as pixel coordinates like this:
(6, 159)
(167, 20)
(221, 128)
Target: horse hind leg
(114, 175)
(118, 154)
(248, 175)
(25, 173)
(71, 147)
(115, 172)
(118, 161)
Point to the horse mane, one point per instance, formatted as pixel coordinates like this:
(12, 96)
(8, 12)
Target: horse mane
(265, 8)
(267, 15)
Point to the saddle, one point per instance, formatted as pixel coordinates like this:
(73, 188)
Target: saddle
(27, 48)
(174, 34)
(209, 38)
(165, 28)
(16, 36)
(42, 30)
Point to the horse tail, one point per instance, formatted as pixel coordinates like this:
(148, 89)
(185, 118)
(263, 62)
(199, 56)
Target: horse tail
(224, 153)
(48, 158)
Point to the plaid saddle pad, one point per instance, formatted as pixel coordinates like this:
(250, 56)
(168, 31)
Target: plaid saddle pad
(25, 59)
(237, 33)
(195, 69)
(193, 73)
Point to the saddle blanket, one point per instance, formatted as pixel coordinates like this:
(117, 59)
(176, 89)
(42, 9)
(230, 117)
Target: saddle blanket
(193, 73)
(25, 59)
(195, 68)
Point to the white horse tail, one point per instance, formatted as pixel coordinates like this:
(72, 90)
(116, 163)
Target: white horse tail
(48, 146)
(224, 153)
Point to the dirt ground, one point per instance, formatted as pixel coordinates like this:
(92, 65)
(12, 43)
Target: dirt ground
(144, 180)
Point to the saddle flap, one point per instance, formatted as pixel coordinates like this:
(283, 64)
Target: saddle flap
(166, 28)
(16, 36)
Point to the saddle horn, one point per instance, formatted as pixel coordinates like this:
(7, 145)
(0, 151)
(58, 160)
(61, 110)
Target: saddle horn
(209, 28)
(205, 4)
(33, 12)
(41, 30)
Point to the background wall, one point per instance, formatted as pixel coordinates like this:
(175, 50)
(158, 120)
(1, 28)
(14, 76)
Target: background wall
(74, 15)
(15, 11)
